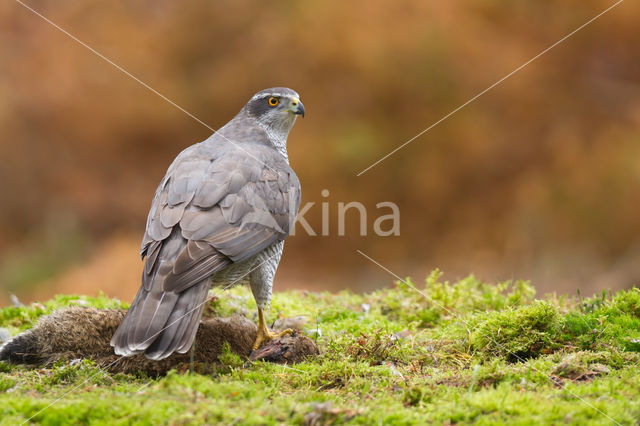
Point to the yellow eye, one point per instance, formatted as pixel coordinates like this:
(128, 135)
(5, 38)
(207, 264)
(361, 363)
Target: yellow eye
(273, 101)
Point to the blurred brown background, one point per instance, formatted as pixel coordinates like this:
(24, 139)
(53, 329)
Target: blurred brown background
(537, 179)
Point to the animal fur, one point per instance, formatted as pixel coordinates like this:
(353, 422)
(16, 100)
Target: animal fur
(85, 333)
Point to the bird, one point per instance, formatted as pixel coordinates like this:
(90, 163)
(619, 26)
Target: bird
(219, 217)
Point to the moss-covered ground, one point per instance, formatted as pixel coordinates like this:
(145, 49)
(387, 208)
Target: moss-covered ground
(441, 353)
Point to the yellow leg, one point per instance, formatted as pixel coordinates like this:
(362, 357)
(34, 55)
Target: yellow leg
(264, 335)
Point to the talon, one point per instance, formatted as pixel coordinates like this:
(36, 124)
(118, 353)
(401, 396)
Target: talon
(264, 334)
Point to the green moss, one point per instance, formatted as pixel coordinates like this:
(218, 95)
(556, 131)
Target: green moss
(408, 303)
(519, 333)
(461, 352)
(6, 383)
(627, 302)
(76, 371)
(20, 318)
(601, 323)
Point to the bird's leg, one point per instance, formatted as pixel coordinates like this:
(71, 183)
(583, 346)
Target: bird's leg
(264, 335)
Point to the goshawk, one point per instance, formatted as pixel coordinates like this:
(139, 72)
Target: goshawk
(219, 216)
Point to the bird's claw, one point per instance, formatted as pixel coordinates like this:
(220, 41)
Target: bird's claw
(264, 335)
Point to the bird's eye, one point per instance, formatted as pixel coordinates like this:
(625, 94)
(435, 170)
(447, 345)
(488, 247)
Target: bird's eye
(273, 101)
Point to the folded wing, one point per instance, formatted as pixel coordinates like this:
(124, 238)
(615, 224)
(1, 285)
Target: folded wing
(207, 214)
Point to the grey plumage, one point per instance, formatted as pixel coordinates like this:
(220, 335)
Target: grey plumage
(224, 207)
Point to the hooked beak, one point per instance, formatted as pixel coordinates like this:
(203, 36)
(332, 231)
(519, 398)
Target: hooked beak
(297, 107)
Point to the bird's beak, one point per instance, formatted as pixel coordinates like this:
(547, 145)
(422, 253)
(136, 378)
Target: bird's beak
(297, 107)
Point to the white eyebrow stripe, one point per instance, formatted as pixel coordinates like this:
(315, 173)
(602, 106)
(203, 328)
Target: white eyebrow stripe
(280, 94)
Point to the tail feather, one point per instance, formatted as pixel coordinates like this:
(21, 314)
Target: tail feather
(160, 323)
(151, 318)
(119, 340)
(192, 327)
(165, 314)
(185, 314)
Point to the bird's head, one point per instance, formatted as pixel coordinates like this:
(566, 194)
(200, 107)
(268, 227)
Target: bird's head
(275, 109)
